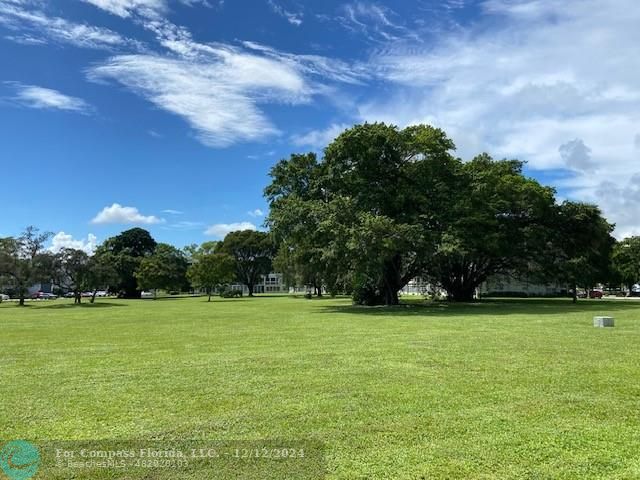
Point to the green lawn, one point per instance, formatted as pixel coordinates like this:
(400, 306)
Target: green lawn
(501, 389)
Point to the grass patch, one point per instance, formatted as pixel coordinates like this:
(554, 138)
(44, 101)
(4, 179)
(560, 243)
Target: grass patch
(499, 389)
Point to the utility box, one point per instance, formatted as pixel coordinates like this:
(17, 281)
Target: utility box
(603, 322)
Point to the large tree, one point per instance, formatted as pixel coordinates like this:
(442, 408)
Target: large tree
(23, 261)
(252, 252)
(371, 209)
(580, 249)
(626, 261)
(498, 222)
(209, 268)
(165, 268)
(126, 252)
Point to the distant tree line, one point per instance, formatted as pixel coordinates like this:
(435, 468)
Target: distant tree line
(133, 261)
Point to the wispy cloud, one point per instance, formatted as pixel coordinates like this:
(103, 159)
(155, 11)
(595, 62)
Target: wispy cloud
(184, 225)
(33, 96)
(220, 230)
(218, 88)
(255, 213)
(375, 21)
(36, 26)
(119, 214)
(294, 18)
(172, 212)
(319, 139)
(126, 8)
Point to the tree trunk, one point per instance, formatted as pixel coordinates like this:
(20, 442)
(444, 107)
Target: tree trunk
(21, 302)
(461, 293)
(250, 288)
(93, 297)
(209, 292)
(318, 291)
(77, 299)
(391, 295)
(575, 293)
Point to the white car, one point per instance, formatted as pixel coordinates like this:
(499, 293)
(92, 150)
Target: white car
(4, 298)
(101, 293)
(147, 295)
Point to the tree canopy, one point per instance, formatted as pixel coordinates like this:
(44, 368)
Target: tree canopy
(626, 261)
(126, 251)
(23, 260)
(211, 269)
(385, 205)
(252, 253)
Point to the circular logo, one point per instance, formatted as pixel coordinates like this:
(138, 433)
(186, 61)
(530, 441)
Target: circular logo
(19, 460)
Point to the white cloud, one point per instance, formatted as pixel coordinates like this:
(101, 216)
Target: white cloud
(36, 26)
(319, 138)
(116, 213)
(256, 213)
(125, 8)
(220, 230)
(291, 17)
(376, 22)
(172, 212)
(39, 97)
(523, 83)
(63, 240)
(184, 225)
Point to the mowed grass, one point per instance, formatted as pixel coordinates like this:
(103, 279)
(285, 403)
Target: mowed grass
(500, 389)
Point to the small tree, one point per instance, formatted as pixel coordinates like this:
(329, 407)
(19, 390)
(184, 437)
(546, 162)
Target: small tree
(72, 271)
(626, 261)
(23, 260)
(210, 270)
(252, 253)
(166, 269)
(102, 273)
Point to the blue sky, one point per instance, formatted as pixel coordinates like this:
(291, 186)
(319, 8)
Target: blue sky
(169, 114)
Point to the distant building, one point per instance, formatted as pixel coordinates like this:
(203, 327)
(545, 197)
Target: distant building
(505, 285)
(270, 283)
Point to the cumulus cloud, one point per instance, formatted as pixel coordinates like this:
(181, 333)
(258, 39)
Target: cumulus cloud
(46, 98)
(63, 240)
(220, 230)
(118, 214)
(36, 26)
(523, 82)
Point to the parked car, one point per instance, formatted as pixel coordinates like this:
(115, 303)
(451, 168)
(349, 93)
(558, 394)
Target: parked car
(595, 294)
(101, 293)
(43, 296)
(4, 297)
(69, 295)
(147, 295)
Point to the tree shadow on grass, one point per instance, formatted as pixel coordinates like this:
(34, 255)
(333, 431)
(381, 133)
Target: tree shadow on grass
(84, 305)
(491, 308)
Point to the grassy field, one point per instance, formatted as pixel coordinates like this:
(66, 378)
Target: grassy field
(501, 389)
